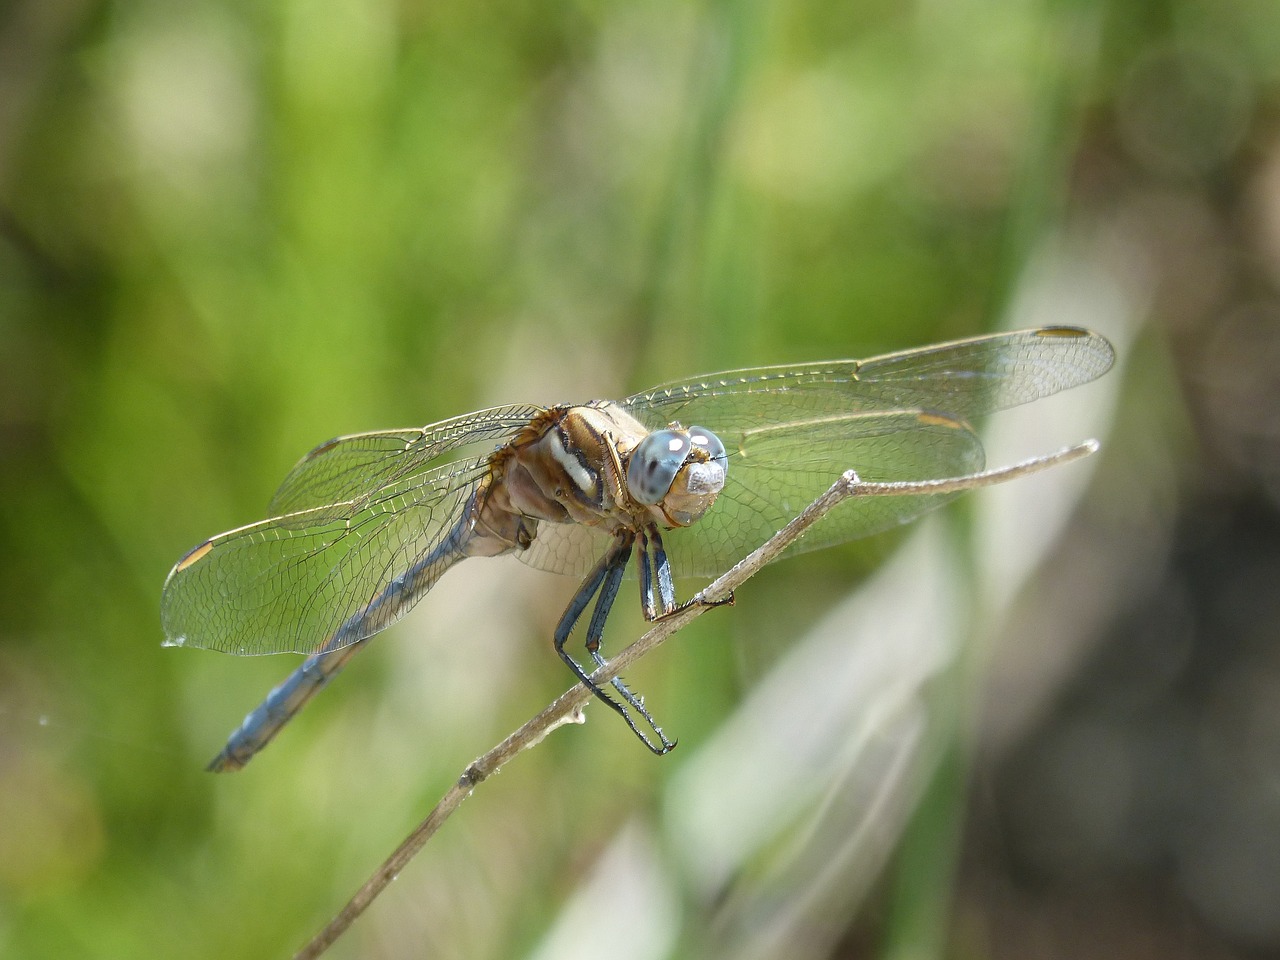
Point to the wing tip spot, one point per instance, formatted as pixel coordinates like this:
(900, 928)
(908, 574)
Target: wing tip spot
(1064, 332)
(931, 419)
(194, 556)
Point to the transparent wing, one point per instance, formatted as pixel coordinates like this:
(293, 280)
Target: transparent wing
(791, 431)
(345, 470)
(963, 379)
(363, 526)
(293, 583)
(776, 471)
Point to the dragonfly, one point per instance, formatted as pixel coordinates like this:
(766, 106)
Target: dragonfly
(686, 478)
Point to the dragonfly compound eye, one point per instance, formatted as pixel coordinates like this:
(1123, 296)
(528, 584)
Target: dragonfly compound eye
(654, 464)
(704, 439)
(679, 471)
(699, 481)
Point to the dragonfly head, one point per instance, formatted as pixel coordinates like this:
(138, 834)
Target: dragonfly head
(678, 471)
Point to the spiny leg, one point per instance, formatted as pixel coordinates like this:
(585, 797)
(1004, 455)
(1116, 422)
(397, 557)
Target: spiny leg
(648, 603)
(615, 558)
(651, 550)
(653, 556)
(595, 633)
(604, 579)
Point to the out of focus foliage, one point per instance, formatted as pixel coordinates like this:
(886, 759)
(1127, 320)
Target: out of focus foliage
(230, 230)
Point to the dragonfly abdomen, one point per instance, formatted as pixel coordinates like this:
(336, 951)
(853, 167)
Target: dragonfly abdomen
(280, 706)
(468, 537)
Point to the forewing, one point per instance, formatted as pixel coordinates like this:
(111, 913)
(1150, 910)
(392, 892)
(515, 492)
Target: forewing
(790, 432)
(344, 471)
(964, 379)
(296, 582)
(775, 471)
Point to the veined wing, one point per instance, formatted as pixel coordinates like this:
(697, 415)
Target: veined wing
(343, 471)
(964, 379)
(365, 525)
(790, 431)
(776, 470)
(328, 576)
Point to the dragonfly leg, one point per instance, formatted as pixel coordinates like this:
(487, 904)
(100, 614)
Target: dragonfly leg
(648, 602)
(595, 633)
(653, 555)
(695, 601)
(603, 583)
(664, 604)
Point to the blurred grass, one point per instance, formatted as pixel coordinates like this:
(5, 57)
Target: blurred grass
(232, 231)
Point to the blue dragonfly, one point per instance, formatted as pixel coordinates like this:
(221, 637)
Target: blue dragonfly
(364, 525)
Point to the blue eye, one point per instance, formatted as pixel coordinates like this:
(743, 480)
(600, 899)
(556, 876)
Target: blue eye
(708, 441)
(655, 462)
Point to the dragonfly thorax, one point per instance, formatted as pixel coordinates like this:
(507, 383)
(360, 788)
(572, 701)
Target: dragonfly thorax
(596, 464)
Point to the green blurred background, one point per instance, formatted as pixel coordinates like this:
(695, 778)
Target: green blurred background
(229, 231)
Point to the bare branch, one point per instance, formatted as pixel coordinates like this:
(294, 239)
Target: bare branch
(567, 708)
